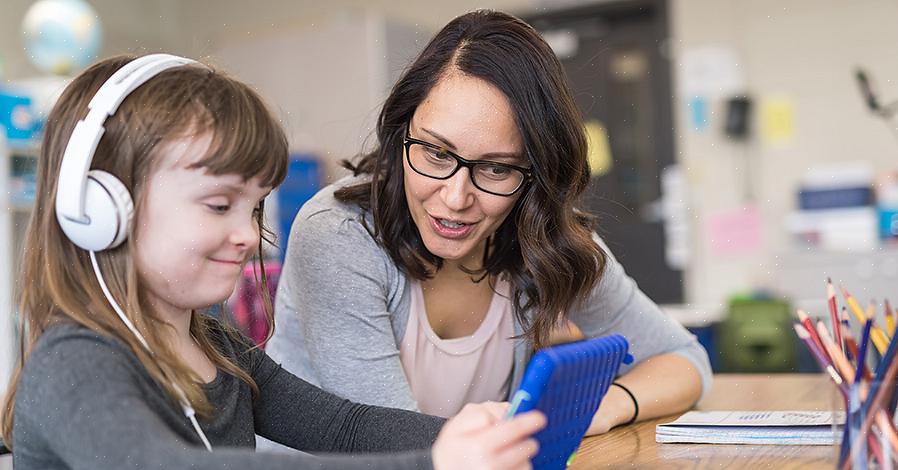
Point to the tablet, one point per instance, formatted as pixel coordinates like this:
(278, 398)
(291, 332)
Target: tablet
(567, 383)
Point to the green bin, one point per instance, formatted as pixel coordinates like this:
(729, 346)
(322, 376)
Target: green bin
(757, 336)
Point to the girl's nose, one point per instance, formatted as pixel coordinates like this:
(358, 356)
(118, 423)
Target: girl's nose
(246, 234)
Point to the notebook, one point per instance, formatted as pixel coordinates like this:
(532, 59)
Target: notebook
(752, 427)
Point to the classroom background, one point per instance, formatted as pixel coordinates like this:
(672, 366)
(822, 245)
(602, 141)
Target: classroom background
(742, 151)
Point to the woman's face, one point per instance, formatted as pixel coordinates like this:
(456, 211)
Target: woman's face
(473, 119)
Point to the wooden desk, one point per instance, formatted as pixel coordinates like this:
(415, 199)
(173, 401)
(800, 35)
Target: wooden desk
(635, 446)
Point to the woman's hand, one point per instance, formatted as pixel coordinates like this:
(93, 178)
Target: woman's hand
(478, 438)
(616, 408)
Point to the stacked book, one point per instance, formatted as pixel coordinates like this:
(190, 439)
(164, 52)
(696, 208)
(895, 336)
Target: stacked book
(836, 208)
(806, 428)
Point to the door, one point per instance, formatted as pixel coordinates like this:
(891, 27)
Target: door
(613, 54)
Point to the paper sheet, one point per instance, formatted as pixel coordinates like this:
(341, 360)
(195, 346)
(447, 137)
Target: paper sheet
(759, 418)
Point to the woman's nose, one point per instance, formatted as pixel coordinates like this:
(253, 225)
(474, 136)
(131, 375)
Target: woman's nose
(458, 193)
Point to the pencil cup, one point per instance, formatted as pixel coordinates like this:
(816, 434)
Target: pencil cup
(863, 442)
(864, 369)
(837, 406)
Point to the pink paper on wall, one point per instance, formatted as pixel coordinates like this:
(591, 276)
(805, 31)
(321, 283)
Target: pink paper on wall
(734, 231)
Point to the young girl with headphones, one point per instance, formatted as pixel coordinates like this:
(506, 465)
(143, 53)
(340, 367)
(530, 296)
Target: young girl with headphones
(119, 367)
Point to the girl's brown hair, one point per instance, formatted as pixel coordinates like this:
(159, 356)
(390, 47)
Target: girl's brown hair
(58, 282)
(545, 244)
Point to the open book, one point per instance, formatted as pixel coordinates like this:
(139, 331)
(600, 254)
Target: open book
(752, 427)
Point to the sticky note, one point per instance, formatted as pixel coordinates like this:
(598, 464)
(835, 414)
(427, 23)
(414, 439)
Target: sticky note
(698, 113)
(735, 231)
(599, 149)
(777, 120)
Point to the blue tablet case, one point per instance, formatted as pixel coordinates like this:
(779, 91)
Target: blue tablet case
(567, 383)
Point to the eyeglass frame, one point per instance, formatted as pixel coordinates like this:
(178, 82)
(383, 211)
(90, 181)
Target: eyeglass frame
(461, 162)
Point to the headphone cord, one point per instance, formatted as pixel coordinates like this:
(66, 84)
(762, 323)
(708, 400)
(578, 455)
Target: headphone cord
(189, 412)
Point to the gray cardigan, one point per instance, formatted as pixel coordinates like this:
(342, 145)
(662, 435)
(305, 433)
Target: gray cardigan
(85, 401)
(342, 307)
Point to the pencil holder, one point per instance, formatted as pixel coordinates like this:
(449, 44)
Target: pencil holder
(864, 372)
(864, 440)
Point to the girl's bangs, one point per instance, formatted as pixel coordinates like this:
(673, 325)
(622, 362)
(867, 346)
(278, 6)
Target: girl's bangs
(246, 140)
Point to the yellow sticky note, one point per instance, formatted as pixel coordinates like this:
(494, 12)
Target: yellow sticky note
(599, 150)
(777, 120)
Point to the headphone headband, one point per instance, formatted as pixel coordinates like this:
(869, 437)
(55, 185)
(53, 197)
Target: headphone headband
(71, 189)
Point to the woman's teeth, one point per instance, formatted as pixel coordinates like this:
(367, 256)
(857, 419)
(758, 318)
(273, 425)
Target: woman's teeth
(448, 224)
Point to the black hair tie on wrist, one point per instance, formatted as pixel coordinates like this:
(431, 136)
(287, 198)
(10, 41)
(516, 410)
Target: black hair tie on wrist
(635, 403)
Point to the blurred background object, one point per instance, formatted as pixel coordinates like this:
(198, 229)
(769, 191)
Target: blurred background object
(757, 336)
(61, 35)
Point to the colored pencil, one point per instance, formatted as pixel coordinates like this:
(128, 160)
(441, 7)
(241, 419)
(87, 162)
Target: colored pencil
(846, 370)
(890, 319)
(851, 349)
(877, 336)
(821, 357)
(850, 344)
(834, 312)
(809, 327)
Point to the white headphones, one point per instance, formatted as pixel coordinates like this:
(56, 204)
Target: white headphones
(93, 207)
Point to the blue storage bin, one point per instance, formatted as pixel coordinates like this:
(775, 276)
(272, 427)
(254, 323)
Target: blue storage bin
(706, 337)
(302, 182)
(18, 119)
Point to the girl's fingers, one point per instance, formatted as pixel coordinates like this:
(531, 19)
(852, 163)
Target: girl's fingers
(512, 433)
(496, 409)
(517, 456)
(472, 419)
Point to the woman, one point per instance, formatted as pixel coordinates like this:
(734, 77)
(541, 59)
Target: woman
(426, 280)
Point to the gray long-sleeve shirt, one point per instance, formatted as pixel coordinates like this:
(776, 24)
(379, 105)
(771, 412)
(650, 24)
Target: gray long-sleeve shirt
(342, 308)
(86, 402)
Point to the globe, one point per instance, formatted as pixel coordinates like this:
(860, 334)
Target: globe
(61, 35)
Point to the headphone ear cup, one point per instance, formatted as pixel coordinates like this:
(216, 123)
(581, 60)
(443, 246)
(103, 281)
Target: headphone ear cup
(109, 209)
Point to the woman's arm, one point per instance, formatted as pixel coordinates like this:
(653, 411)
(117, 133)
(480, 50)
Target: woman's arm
(662, 385)
(671, 371)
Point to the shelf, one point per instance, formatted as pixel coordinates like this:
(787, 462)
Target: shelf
(21, 206)
(867, 274)
(9, 233)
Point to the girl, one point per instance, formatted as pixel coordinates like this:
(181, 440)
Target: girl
(459, 234)
(119, 368)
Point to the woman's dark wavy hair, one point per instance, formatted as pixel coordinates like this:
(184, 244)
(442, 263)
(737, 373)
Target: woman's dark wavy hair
(545, 245)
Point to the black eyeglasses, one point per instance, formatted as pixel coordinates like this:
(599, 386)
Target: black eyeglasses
(433, 161)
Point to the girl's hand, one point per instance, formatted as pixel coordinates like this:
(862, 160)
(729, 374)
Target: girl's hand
(478, 438)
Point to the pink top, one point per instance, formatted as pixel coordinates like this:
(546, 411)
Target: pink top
(445, 374)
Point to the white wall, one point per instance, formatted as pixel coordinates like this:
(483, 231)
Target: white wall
(805, 51)
(324, 75)
(329, 78)
(327, 67)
